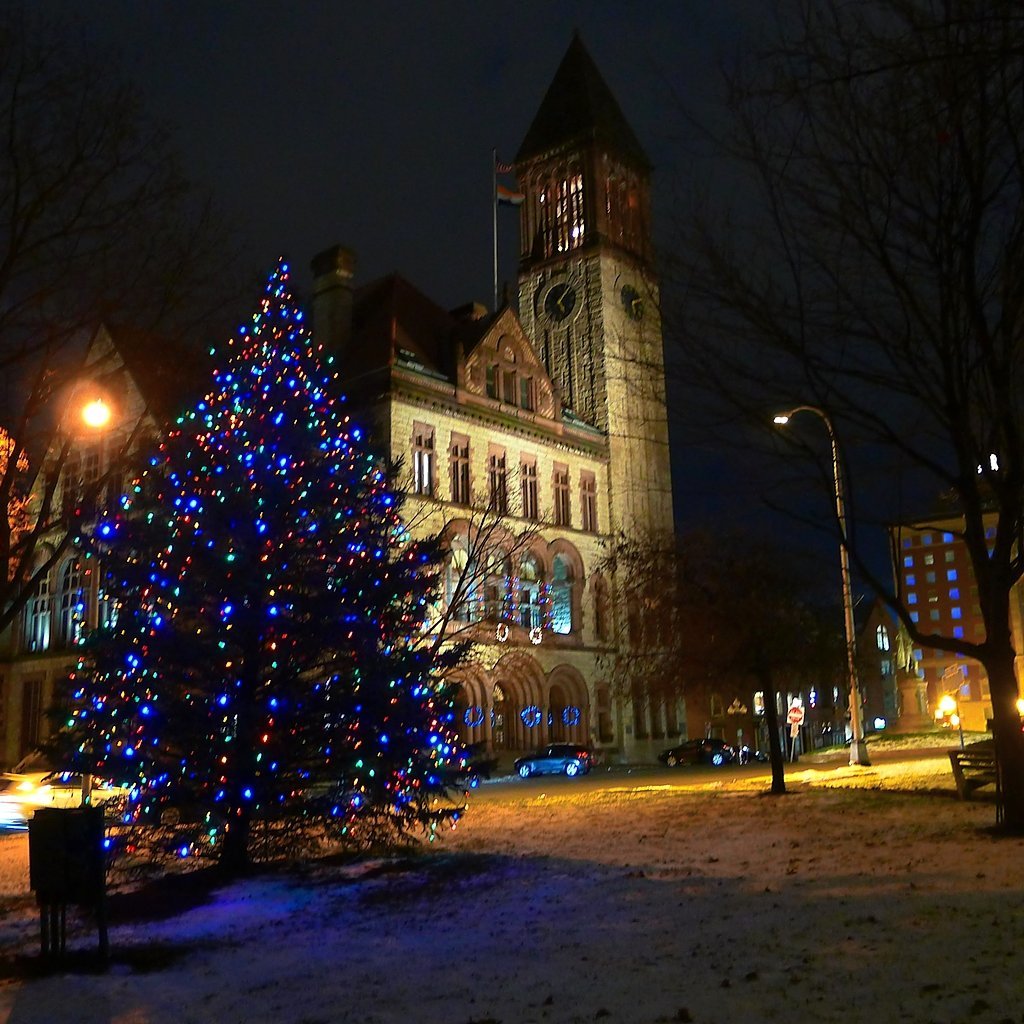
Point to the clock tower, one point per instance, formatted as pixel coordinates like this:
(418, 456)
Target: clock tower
(588, 293)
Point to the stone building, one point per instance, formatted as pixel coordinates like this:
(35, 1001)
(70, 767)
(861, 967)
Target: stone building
(532, 436)
(101, 416)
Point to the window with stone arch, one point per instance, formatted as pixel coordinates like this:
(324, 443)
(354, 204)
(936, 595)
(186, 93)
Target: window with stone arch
(530, 582)
(508, 380)
(38, 616)
(70, 604)
(461, 586)
(882, 638)
(497, 588)
(562, 583)
(602, 608)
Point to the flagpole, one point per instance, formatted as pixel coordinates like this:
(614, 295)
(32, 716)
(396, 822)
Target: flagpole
(494, 219)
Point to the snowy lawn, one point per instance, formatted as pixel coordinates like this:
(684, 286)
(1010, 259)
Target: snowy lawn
(857, 897)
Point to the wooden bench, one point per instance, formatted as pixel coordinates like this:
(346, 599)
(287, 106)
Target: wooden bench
(973, 767)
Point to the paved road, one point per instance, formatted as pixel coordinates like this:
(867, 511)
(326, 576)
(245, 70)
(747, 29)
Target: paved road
(510, 788)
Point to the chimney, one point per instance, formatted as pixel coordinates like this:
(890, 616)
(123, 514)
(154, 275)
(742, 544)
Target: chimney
(333, 270)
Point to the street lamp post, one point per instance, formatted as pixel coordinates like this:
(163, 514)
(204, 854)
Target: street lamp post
(858, 746)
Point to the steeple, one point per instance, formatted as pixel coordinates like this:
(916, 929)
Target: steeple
(578, 110)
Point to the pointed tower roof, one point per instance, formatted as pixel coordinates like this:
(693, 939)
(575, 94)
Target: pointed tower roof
(579, 107)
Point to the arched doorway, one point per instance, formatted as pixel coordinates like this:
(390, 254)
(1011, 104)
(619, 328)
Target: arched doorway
(502, 732)
(558, 714)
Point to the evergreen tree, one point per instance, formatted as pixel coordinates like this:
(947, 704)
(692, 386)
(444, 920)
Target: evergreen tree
(269, 663)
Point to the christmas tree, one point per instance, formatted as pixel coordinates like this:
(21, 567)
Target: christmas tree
(269, 665)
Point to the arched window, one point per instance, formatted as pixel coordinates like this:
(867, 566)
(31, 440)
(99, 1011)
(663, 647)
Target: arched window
(70, 604)
(602, 608)
(38, 616)
(497, 597)
(605, 726)
(461, 586)
(106, 609)
(529, 593)
(561, 596)
(882, 638)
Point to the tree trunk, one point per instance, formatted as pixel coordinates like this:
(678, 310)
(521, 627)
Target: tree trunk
(234, 854)
(1006, 730)
(776, 755)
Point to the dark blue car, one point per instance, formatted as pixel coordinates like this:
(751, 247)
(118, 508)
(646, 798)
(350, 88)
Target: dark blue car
(557, 759)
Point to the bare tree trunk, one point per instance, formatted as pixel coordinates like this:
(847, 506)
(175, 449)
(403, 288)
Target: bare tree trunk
(771, 716)
(1009, 740)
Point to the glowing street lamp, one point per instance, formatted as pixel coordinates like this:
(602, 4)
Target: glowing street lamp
(96, 413)
(858, 746)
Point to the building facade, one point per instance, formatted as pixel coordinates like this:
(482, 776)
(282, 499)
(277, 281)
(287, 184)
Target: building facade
(67, 598)
(937, 582)
(532, 437)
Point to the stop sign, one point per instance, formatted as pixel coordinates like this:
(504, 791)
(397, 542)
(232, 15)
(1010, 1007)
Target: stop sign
(796, 715)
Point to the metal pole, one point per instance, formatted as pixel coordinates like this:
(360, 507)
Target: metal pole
(494, 219)
(858, 746)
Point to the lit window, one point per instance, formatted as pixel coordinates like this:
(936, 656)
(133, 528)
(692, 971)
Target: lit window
(950, 556)
(529, 593)
(947, 538)
(528, 488)
(588, 502)
(929, 559)
(918, 654)
(563, 505)
(958, 631)
(37, 619)
(71, 606)
(497, 482)
(955, 612)
(934, 615)
(911, 598)
(926, 538)
(561, 596)
(929, 577)
(458, 469)
(882, 638)
(990, 532)
(908, 561)
(913, 616)
(422, 459)
(907, 542)
(951, 574)
(911, 580)
(954, 593)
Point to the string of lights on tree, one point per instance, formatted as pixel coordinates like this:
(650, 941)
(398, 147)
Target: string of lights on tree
(267, 662)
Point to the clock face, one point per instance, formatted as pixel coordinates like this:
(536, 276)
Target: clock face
(632, 303)
(560, 302)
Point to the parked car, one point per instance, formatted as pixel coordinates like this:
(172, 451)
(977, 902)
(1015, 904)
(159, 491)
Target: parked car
(557, 759)
(34, 783)
(702, 751)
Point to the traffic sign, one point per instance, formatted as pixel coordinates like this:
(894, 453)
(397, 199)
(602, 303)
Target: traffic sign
(796, 715)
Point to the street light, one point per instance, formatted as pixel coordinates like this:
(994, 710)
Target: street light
(858, 746)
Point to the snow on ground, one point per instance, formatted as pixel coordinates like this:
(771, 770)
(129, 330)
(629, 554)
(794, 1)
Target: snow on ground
(857, 897)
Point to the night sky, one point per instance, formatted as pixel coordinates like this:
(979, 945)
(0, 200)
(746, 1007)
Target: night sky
(372, 125)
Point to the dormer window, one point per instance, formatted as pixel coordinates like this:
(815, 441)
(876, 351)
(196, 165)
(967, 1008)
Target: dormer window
(507, 383)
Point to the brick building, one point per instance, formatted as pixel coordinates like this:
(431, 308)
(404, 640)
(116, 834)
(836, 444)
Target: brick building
(935, 576)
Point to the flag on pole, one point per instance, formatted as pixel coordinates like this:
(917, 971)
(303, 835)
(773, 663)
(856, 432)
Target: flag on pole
(508, 196)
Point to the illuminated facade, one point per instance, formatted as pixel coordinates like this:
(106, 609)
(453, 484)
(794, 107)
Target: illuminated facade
(532, 437)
